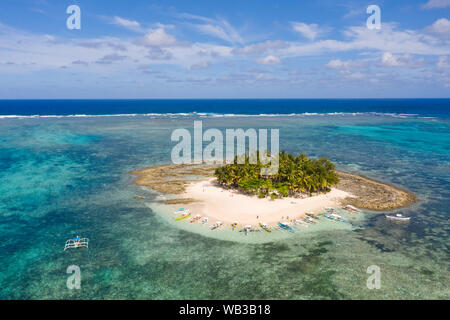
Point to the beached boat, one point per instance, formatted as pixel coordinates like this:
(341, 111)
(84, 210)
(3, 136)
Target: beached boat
(247, 229)
(398, 217)
(181, 210)
(285, 226)
(197, 217)
(265, 227)
(234, 225)
(140, 197)
(183, 216)
(205, 220)
(301, 222)
(216, 225)
(312, 215)
(349, 207)
(310, 220)
(329, 209)
(335, 217)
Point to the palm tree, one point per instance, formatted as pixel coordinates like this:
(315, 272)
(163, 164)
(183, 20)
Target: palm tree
(295, 174)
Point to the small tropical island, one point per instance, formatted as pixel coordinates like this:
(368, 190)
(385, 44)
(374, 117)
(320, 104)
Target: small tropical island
(240, 192)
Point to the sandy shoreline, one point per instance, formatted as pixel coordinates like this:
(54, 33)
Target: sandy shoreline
(228, 206)
(193, 186)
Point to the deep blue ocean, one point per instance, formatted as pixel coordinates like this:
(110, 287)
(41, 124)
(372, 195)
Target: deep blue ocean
(65, 173)
(424, 107)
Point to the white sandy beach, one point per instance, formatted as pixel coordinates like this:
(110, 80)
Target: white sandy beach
(229, 206)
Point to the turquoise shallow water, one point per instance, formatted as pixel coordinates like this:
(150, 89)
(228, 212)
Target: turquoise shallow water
(61, 177)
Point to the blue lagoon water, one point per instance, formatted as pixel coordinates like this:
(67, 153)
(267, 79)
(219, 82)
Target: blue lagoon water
(63, 176)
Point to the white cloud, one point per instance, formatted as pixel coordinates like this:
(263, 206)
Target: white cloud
(356, 76)
(432, 4)
(340, 65)
(269, 60)
(389, 60)
(309, 31)
(262, 47)
(443, 62)
(128, 24)
(158, 38)
(217, 28)
(440, 27)
(406, 60)
(200, 65)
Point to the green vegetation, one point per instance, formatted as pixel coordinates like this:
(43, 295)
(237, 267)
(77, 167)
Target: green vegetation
(296, 175)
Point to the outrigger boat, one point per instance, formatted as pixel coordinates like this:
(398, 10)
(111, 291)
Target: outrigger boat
(265, 227)
(183, 216)
(247, 229)
(140, 197)
(312, 215)
(335, 217)
(234, 225)
(205, 220)
(301, 222)
(398, 217)
(349, 207)
(285, 226)
(329, 209)
(181, 210)
(310, 220)
(76, 242)
(216, 225)
(197, 217)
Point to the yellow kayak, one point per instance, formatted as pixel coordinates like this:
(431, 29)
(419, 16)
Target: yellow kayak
(183, 217)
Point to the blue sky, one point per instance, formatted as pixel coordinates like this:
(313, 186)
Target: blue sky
(224, 49)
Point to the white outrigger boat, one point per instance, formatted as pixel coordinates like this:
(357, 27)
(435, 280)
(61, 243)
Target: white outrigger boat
(329, 209)
(398, 217)
(216, 225)
(76, 242)
(349, 207)
(335, 217)
(310, 220)
(301, 222)
(247, 229)
(205, 220)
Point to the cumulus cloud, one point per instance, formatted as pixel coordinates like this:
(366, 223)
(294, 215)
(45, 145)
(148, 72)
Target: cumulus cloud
(440, 27)
(432, 4)
(406, 60)
(269, 60)
(309, 31)
(158, 38)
